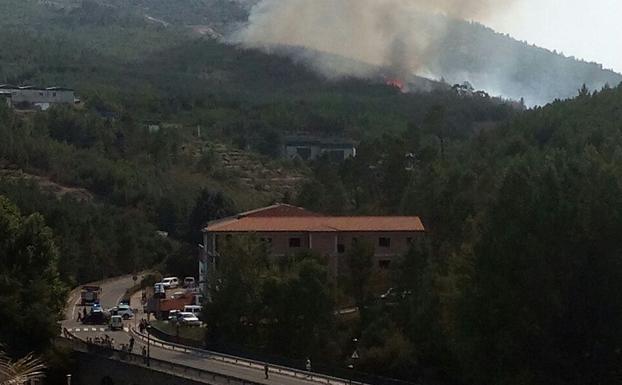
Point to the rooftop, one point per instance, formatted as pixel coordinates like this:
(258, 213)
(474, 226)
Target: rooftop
(318, 224)
(25, 87)
(315, 141)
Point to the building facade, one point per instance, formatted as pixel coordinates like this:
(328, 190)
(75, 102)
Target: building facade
(42, 98)
(307, 148)
(289, 230)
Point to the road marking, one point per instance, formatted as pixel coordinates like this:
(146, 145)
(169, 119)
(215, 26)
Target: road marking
(126, 329)
(93, 329)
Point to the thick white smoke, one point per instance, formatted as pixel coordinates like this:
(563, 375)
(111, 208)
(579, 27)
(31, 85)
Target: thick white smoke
(396, 34)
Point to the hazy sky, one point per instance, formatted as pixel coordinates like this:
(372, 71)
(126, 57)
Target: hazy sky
(588, 29)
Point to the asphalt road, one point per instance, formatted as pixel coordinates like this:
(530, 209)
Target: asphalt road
(112, 292)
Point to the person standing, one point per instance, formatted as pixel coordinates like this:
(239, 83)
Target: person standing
(308, 367)
(145, 355)
(266, 369)
(131, 345)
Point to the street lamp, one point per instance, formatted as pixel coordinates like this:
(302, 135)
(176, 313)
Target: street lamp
(148, 345)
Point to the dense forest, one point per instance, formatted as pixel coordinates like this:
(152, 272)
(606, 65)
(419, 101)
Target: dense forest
(518, 278)
(516, 282)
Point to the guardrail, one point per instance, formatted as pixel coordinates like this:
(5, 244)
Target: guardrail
(179, 370)
(282, 370)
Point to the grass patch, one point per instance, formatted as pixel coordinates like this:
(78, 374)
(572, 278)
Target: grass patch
(194, 333)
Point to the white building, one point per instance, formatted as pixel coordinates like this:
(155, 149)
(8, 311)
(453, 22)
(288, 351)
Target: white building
(42, 98)
(309, 148)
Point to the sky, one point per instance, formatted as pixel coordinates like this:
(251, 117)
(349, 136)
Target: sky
(586, 29)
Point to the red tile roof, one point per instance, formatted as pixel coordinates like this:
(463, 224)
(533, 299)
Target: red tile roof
(279, 210)
(317, 224)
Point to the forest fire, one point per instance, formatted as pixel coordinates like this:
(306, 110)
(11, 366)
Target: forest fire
(397, 84)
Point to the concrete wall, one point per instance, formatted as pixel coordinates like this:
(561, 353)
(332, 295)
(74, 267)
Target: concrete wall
(316, 151)
(336, 245)
(42, 96)
(96, 370)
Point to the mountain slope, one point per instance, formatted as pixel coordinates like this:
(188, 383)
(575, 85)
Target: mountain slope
(503, 65)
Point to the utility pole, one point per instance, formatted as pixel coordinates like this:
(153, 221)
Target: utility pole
(148, 346)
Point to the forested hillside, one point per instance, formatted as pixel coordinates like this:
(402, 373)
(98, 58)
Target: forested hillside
(242, 99)
(518, 278)
(521, 277)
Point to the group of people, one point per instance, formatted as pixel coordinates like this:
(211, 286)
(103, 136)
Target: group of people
(105, 341)
(127, 348)
(143, 325)
(82, 314)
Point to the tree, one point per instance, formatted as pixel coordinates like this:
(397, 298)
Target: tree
(33, 296)
(299, 308)
(236, 300)
(208, 206)
(435, 124)
(22, 371)
(361, 264)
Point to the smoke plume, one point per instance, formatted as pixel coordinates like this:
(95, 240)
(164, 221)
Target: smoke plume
(399, 35)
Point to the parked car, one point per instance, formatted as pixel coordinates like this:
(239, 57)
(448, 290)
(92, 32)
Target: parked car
(159, 291)
(124, 311)
(394, 294)
(188, 319)
(116, 322)
(189, 282)
(170, 282)
(194, 309)
(96, 317)
(173, 315)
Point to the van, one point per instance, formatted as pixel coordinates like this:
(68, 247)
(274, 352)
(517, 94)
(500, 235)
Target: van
(189, 282)
(170, 282)
(159, 290)
(194, 309)
(116, 322)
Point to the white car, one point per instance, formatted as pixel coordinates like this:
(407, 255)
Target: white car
(170, 282)
(124, 311)
(194, 309)
(188, 319)
(173, 315)
(116, 322)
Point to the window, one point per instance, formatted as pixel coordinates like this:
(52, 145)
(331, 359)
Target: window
(384, 242)
(384, 264)
(304, 153)
(295, 242)
(341, 248)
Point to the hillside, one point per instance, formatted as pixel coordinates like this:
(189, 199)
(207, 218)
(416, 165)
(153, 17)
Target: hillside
(464, 51)
(502, 65)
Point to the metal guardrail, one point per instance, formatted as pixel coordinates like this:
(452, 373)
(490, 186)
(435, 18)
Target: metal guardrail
(282, 370)
(190, 373)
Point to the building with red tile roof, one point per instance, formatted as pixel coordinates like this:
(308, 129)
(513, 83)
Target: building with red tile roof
(289, 230)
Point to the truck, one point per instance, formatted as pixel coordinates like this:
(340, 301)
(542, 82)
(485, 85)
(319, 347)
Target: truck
(90, 294)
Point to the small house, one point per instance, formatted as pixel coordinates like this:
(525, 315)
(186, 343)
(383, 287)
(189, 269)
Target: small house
(311, 148)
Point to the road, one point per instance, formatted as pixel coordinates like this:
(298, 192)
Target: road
(112, 293)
